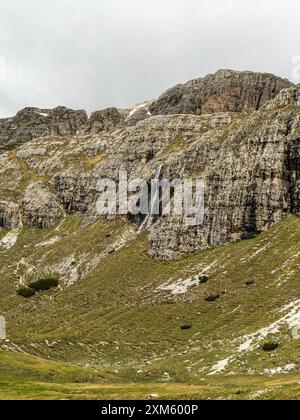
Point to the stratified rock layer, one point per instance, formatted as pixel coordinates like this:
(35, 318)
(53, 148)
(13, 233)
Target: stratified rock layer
(40, 208)
(31, 123)
(224, 91)
(249, 160)
(9, 215)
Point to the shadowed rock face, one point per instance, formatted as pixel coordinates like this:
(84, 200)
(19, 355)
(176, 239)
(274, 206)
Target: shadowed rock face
(106, 120)
(250, 164)
(9, 215)
(31, 123)
(224, 91)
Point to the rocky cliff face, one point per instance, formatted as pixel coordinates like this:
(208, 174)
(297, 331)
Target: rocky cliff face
(244, 145)
(40, 208)
(32, 123)
(224, 91)
(9, 215)
(106, 120)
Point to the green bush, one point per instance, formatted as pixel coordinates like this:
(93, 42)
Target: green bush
(186, 327)
(250, 283)
(212, 298)
(46, 283)
(26, 292)
(203, 279)
(270, 346)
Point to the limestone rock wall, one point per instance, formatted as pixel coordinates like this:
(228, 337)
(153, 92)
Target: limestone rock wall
(224, 91)
(9, 215)
(31, 123)
(40, 208)
(250, 161)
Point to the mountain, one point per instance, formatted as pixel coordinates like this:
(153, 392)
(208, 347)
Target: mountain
(173, 303)
(224, 91)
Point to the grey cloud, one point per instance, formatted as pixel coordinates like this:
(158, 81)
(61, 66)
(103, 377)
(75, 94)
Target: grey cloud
(97, 53)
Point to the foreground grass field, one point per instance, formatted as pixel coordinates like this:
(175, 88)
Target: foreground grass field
(26, 377)
(122, 314)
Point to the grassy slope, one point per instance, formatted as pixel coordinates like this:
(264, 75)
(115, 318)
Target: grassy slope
(115, 317)
(26, 377)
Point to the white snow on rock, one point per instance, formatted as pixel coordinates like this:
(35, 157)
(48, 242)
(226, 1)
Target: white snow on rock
(290, 260)
(137, 108)
(42, 114)
(292, 320)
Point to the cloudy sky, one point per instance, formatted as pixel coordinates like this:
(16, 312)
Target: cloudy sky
(92, 54)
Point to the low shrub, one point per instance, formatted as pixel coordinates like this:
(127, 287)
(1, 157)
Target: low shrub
(46, 283)
(26, 292)
(203, 279)
(271, 346)
(186, 327)
(250, 283)
(212, 298)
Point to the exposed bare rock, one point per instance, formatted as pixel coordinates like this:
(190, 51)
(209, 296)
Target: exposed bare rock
(249, 161)
(138, 113)
(220, 120)
(75, 191)
(224, 91)
(9, 215)
(31, 123)
(251, 178)
(284, 98)
(106, 120)
(40, 207)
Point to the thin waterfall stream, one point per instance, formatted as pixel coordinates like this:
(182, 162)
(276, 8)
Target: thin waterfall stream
(147, 223)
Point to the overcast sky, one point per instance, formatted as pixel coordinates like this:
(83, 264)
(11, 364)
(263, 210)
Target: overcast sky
(92, 54)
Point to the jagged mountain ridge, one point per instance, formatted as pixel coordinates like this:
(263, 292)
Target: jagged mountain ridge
(248, 161)
(225, 91)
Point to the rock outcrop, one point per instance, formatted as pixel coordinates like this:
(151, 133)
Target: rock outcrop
(224, 91)
(9, 215)
(106, 120)
(31, 123)
(40, 207)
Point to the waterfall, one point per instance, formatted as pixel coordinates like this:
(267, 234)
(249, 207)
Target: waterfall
(2, 328)
(147, 223)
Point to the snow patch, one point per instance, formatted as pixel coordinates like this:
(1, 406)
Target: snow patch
(137, 108)
(42, 114)
(287, 263)
(244, 260)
